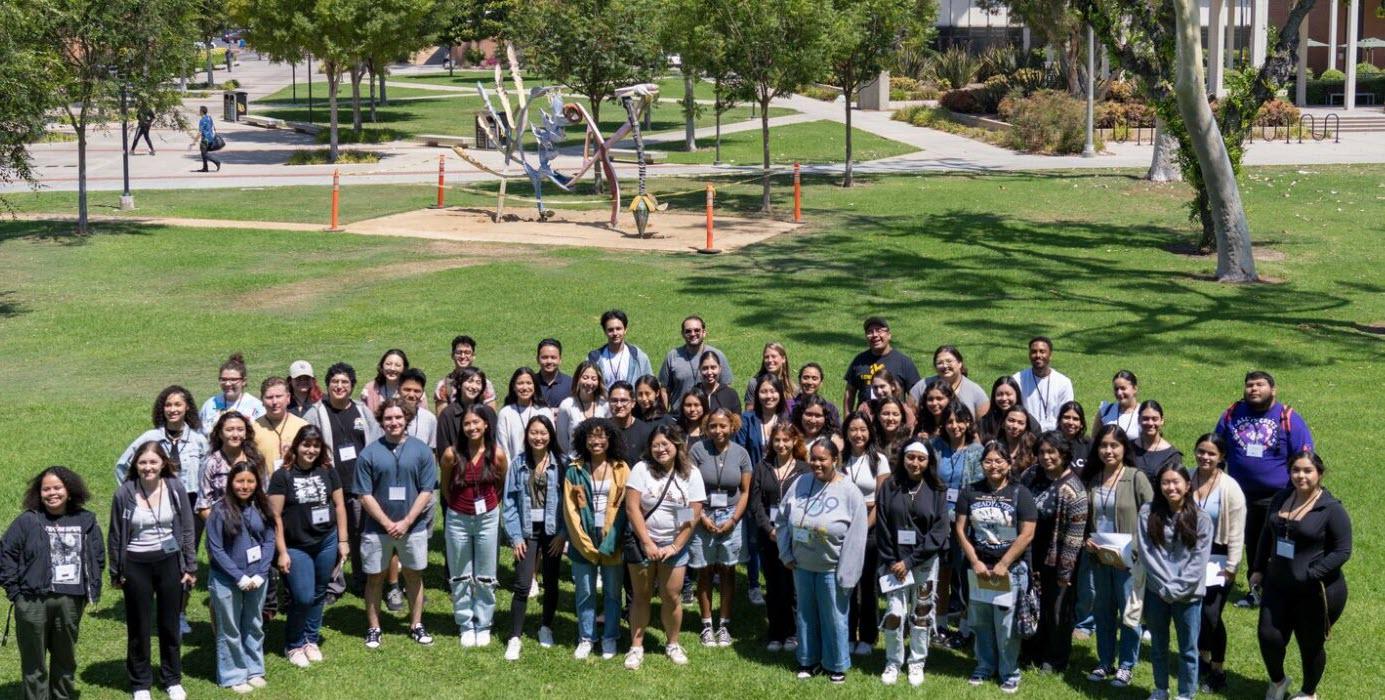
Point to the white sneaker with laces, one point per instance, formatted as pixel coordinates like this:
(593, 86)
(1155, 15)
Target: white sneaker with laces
(634, 657)
(468, 639)
(608, 648)
(724, 637)
(313, 652)
(176, 692)
(757, 597)
(483, 638)
(583, 650)
(534, 589)
(545, 637)
(891, 674)
(916, 675)
(142, 695)
(1277, 691)
(512, 649)
(243, 688)
(257, 682)
(677, 655)
(298, 658)
(791, 644)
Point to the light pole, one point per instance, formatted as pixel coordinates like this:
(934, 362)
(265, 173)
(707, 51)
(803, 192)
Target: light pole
(310, 88)
(127, 200)
(1089, 150)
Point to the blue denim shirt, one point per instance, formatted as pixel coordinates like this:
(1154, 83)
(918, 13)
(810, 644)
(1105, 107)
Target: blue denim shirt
(208, 131)
(517, 523)
(192, 448)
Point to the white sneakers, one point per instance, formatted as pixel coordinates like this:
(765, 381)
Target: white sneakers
(483, 638)
(916, 675)
(608, 648)
(468, 639)
(299, 658)
(176, 692)
(791, 644)
(676, 654)
(243, 688)
(583, 650)
(258, 682)
(512, 649)
(313, 653)
(756, 597)
(545, 637)
(891, 674)
(1277, 691)
(634, 657)
(142, 695)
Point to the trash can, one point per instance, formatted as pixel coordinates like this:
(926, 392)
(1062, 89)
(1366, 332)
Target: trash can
(234, 105)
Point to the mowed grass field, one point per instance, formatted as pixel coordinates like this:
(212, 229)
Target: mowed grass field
(91, 329)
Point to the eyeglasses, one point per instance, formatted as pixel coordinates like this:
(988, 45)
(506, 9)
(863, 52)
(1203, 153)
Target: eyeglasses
(619, 402)
(994, 463)
(231, 380)
(877, 330)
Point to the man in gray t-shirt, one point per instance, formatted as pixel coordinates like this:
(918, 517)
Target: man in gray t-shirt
(679, 374)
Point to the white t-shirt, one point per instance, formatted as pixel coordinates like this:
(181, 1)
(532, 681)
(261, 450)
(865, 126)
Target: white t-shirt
(1044, 396)
(601, 493)
(859, 472)
(682, 493)
(1129, 421)
(614, 367)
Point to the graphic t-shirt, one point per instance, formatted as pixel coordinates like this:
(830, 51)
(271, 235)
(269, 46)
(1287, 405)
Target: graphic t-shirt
(994, 517)
(65, 554)
(867, 364)
(309, 513)
(1260, 447)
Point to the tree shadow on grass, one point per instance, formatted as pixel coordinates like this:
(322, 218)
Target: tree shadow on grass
(980, 271)
(62, 231)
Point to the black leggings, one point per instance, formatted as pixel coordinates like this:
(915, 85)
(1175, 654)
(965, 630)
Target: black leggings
(1212, 635)
(1307, 613)
(153, 591)
(1057, 608)
(779, 591)
(535, 556)
(1256, 512)
(863, 619)
(142, 131)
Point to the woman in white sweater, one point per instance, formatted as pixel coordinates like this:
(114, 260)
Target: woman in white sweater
(1218, 495)
(588, 400)
(523, 401)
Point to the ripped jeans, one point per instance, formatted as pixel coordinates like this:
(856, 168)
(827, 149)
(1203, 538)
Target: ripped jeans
(472, 546)
(913, 605)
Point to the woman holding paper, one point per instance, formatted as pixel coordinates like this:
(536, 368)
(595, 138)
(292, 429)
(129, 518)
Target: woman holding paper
(1174, 546)
(1220, 497)
(1305, 543)
(1115, 492)
(1061, 502)
(911, 528)
(822, 532)
(995, 524)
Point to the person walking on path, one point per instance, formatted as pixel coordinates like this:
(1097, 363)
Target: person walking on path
(144, 118)
(206, 136)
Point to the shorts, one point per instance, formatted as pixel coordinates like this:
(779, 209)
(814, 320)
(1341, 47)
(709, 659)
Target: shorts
(378, 547)
(677, 560)
(708, 549)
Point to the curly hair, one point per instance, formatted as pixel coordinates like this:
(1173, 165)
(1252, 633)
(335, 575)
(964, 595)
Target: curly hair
(77, 493)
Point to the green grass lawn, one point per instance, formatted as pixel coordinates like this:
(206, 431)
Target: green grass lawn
(670, 87)
(285, 96)
(809, 142)
(980, 261)
(455, 115)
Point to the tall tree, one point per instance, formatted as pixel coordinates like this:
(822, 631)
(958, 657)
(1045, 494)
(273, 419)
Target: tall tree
(22, 82)
(211, 19)
(90, 48)
(863, 35)
(773, 46)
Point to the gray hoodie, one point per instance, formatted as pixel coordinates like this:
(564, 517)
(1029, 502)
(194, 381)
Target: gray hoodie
(1175, 572)
(832, 521)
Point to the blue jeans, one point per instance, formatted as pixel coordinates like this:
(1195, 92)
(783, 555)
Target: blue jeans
(310, 570)
(584, 575)
(1086, 591)
(473, 542)
(239, 630)
(997, 641)
(749, 539)
(1187, 620)
(821, 618)
(1112, 589)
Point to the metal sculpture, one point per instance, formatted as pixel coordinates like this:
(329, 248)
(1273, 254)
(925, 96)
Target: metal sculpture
(511, 124)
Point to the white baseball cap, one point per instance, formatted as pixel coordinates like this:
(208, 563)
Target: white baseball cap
(300, 368)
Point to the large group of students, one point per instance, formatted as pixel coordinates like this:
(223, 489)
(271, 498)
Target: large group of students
(926, 511)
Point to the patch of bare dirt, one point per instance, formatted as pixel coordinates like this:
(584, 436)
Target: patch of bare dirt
(294, 295)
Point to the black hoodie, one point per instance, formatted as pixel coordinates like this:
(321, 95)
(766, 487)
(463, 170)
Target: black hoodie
(1321, 539)
(924, 512)
(26, 567)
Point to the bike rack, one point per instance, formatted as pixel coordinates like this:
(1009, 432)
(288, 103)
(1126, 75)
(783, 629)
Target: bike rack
(1312, 127)
(1337, 134)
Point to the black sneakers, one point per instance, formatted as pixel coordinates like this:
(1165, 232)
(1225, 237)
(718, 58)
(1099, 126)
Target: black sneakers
(420, 635)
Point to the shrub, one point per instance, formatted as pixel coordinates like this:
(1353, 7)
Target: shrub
(1277, 113)
(826, 94)
(1049, 122)
(1111, 115)
(1364, 68)
(992, 92)
(956, 66)
(231, 84)
(473, 56)
(962, 101)
(1120, 91)
(1030, 80)
(941, 119)
(998, 60)
(904, 84)
(318, 156)
(1332, 74)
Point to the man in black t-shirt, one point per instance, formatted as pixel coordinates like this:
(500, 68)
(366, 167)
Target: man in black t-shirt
(878, 355)
(634, 433)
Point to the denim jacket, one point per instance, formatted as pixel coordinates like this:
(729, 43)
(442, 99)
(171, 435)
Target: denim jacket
(517, 523)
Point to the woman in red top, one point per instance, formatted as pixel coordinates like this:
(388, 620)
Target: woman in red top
(473, 477)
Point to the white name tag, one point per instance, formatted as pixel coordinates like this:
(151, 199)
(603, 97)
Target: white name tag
(536, 515)
(65, 573)
(800, 535)
(397, 493)
(1284, 548)
(346, 453)
(252, 555)
(684, 516)
(1255, 450)
(718, 499)
(479, 506)
(952, 495)
(907, 536)
(320, 515)
(1105, 525)
(774, 512)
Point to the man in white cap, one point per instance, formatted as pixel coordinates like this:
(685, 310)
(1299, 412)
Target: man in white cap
(304, 391)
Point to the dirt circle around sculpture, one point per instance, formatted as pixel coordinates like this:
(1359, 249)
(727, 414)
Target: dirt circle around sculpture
(669, 231)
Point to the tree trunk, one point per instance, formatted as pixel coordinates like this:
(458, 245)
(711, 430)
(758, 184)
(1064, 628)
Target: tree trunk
(846, 92)
(384, 99)
(356, 99)
(82, 227)
(716, 107)
(764, 146)
(451, 64)
(689, 115)
(210, 80)
(371, 82)
(595, 104)
(333, 85)
(1072, 57)
(1164, 165)
(1235, 262)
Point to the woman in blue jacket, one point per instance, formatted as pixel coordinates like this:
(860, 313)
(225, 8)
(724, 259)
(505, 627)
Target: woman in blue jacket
(533, 522)
(240, 539)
